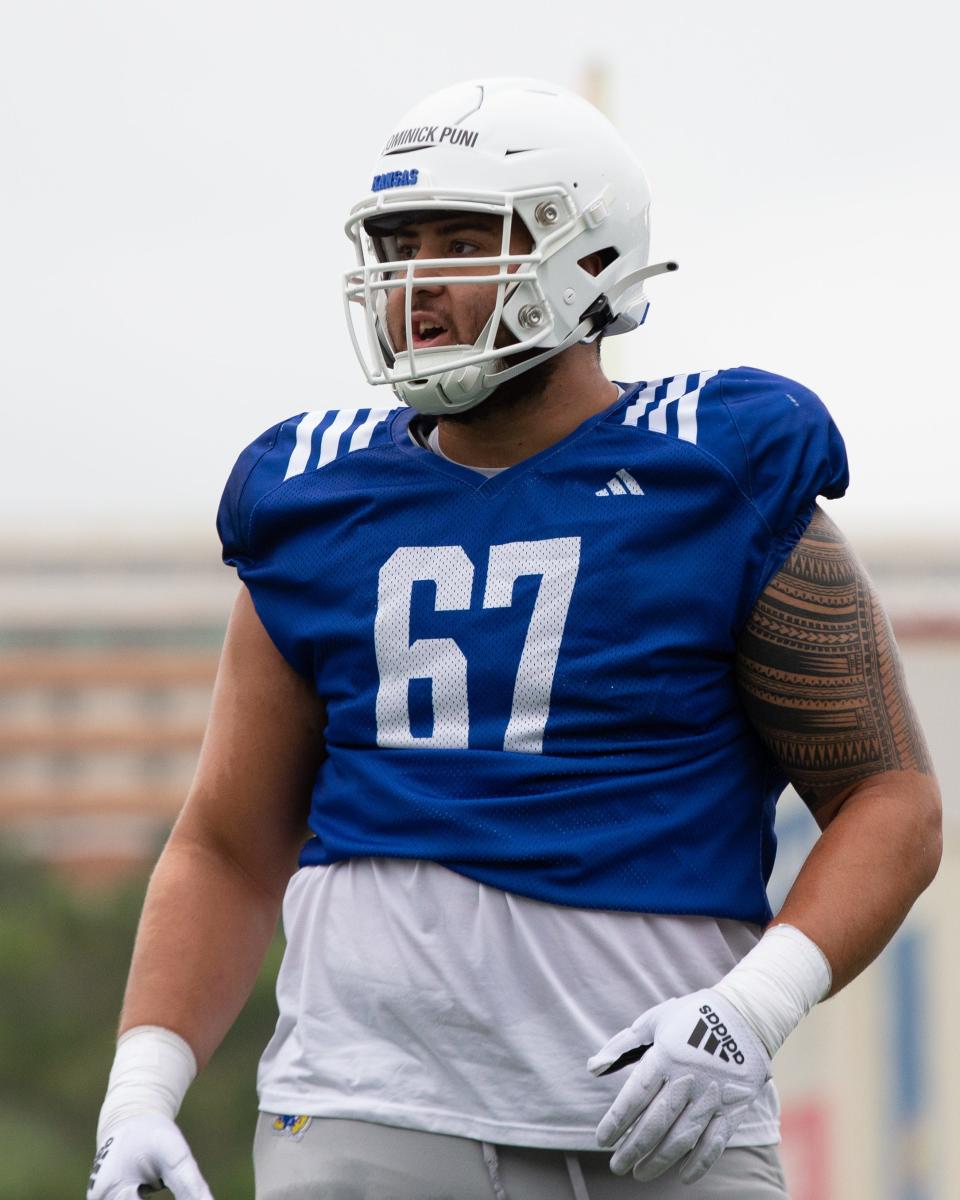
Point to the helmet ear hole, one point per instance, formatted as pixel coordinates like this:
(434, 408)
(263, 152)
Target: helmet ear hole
(598, 260)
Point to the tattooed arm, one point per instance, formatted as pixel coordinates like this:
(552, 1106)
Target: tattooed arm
(821, 680)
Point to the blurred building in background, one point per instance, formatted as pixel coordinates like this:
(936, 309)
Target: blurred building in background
(106, 670)
(107, 665)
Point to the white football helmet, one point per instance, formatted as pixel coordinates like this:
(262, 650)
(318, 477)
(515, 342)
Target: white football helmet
(519, 149)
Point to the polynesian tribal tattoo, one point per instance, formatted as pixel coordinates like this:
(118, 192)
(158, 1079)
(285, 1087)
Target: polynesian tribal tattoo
(820, 674)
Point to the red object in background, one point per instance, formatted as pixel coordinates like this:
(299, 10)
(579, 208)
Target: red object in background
(805, 1151)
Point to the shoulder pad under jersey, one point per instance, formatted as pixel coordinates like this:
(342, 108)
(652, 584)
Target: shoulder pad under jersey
(306, 442)
(773, 435)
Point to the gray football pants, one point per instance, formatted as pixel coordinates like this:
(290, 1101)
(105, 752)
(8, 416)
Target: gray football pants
(358, 1160)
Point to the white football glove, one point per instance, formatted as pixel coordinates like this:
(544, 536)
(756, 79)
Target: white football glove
(700, 1067)
(144, 1154)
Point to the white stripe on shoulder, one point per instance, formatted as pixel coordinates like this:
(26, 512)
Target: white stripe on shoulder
(301, 451)
(651, 405)
(330, 439)
(363, 433)
(687, 409)
(644, 398)
(657, 421)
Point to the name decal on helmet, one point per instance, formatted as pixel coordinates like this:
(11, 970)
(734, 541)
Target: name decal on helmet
(395, 179)
(422, 136)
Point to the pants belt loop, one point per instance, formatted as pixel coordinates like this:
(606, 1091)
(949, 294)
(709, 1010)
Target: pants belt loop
(577, 1181)
(493, 1170)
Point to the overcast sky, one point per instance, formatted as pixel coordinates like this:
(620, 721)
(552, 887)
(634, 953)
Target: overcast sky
(174, 178)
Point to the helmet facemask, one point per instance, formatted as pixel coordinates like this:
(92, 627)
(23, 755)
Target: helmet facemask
(454, 377)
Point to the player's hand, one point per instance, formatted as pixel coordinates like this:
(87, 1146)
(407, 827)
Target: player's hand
(699, 1068)
(143, 1154)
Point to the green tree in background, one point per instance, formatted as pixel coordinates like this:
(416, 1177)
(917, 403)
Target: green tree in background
(64, 955)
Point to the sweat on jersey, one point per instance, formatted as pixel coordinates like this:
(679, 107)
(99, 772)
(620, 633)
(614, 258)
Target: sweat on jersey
(529, 678)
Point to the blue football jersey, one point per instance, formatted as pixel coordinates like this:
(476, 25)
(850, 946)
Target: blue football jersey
(529, 678)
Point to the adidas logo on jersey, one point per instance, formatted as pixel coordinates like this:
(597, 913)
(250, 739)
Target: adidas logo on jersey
(621, 484)
(719, 1042)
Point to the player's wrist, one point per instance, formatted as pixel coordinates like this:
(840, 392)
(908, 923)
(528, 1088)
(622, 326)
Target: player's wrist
(152, 1069)
(777, 983)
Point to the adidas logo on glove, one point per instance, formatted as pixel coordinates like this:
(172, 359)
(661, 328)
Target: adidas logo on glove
(686, 1089)
(719, 1039)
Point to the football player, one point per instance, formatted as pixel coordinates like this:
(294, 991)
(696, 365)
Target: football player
(519, 670)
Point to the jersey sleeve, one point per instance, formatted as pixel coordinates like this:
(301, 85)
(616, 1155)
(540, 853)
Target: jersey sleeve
(266, 520)
(792, 450)
(260, 468)
(780, 444)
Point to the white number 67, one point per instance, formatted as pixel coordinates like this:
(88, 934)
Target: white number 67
(555, 560)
